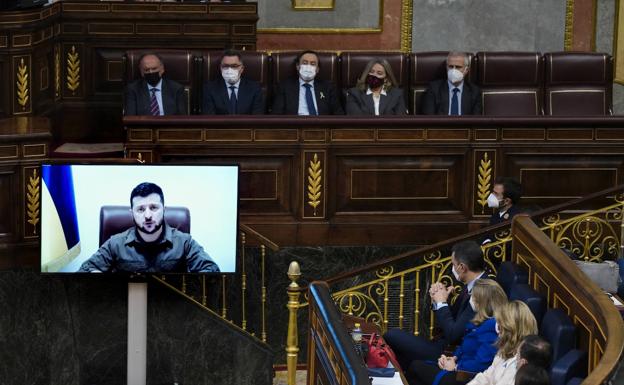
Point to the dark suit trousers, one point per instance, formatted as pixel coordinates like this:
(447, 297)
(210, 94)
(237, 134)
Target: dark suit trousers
(409, 347)
(423, 373)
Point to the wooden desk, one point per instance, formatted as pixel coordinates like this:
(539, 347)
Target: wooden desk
(404, 180)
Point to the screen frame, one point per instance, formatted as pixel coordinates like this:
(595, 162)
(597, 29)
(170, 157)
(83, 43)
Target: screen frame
(134, 162)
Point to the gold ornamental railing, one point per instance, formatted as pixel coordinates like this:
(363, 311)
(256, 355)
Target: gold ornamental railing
(233, 297)
(392, 292)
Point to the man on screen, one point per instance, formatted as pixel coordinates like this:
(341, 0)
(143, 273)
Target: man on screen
(151, 246)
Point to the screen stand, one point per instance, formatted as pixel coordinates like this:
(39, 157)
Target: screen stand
(137, 333)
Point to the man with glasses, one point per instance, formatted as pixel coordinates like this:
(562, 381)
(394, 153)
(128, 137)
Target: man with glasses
(455, 95)
(232, 94)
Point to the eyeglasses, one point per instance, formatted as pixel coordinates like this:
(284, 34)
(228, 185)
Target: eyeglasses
(234, 66)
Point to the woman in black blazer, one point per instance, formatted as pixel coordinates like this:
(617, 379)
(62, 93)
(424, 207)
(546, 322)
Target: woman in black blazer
(376, 92)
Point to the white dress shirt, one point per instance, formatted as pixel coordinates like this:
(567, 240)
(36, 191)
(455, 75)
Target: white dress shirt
(451, 86)
(158, 87)
(303, 104)
(376, 98)
(236, 85)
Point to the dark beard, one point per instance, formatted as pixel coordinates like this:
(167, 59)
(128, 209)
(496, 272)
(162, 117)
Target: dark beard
(143, 230)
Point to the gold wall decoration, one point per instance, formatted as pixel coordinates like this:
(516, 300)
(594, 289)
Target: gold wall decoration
(312, 5)
(484, 178)
(618, 43)
(32, 200)
(569, 22)
(315, 179)
(57, 72)
(22, 84)
(406, 25)
(73, 70)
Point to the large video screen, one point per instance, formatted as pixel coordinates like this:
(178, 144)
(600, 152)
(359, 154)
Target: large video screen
(139, 218)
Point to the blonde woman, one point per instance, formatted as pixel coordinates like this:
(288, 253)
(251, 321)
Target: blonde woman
(376, 92)
(514, 321)
(478, 346)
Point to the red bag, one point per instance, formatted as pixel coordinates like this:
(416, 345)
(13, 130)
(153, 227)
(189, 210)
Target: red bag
(379, 354)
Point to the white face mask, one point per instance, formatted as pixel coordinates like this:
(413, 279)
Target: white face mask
(307, 72)
(492, 201)
(230, 75)
(455, 273)
(472, 305)
(455, 75)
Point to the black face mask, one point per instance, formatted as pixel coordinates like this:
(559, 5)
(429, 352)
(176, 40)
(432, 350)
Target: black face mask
(374, 82)
(152, 78)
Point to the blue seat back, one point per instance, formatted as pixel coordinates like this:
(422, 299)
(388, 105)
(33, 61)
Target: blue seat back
(572, 365)
(510, 274)
(534, 300)
(558, 330)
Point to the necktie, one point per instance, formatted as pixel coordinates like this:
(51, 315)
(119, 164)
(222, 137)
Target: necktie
(233, 100)
(154, 109)
(310, 100)
(455, 102)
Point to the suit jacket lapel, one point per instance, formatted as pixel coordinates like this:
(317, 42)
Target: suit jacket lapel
(224, 94)
(321, 103)
(383, 104)
(167, 99)
(444, 94)
(465, 99)
(145, 99)
(242, 96)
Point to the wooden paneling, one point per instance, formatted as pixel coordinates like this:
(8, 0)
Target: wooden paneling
(8, 201)
(325, 180)
(551, 177)
(399, 184)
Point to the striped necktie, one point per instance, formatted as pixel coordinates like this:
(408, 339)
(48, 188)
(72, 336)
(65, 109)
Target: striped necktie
(154, 109)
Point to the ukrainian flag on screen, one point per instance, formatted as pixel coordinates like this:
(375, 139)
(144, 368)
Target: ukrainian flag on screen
(60, 242)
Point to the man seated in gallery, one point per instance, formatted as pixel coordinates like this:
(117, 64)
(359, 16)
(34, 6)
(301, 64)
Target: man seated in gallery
(454, 95)
(154, 94)
(232, 94)
(306, 95)
(150, 246)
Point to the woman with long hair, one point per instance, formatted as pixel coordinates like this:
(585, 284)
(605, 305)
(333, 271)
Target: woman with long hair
(514, 321)
(376, 92)
(478, 345)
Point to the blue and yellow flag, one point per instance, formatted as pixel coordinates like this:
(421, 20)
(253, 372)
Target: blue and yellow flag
(60, 241)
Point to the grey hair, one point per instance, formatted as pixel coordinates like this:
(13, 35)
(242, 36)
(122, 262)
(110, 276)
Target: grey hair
(457, 54)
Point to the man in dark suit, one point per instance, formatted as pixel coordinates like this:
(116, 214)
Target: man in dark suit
(306, 95)
(231, 94)
(468, 266)
(503, 199)
(454, 95)
(153, 94)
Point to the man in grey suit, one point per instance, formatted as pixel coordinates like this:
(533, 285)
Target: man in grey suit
(453, 96)
(152, 94)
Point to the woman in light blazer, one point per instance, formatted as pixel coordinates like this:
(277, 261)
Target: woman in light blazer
(376, 92)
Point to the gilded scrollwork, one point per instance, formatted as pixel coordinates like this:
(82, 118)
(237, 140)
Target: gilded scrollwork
(32, 199)
(384, 272)
(314, 182)
(73, 70)
(357, 304)
(22, 84)
(589, 238)
(484, 178)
